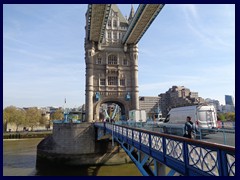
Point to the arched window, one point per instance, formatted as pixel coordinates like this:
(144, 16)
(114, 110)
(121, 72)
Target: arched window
(114, 23)
(112, 59)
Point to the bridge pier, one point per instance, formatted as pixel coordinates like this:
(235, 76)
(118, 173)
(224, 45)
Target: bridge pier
(75, 144)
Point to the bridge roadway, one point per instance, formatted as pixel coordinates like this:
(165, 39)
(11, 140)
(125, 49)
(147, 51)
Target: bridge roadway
(152, 151)
(221, 136)
(224, 136)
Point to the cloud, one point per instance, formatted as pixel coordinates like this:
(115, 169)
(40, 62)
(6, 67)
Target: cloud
(9, 37)
(190, 10)
(207, 28)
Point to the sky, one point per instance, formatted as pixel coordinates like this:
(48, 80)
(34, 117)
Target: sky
(191, 45)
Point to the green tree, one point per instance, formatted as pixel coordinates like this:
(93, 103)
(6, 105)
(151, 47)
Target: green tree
(222, 117)
(14, 115)
(57, 115)
(230, 116)
(19, 118)
(33, 116)
(9, 115)
(6, 118)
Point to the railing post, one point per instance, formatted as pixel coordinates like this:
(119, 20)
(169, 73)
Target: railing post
(127, 134)
(112, 136)
(140, 139)
(149, 143)
(104, 128)
(223, 163)
(132, 137)
(164, 148)
(122, 132)
(186, 158)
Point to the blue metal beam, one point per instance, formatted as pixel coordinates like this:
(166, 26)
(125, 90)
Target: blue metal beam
(171, 172)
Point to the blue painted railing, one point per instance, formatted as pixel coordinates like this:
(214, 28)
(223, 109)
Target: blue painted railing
(186, 156)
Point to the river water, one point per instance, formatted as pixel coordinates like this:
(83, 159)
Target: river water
(19, 159)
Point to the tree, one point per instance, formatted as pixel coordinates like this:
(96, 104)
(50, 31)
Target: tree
(221, 117)
(6, 117)
(44, 121)
(33, 116)
(19, 117)
(9, 115)
(57, 115)
(230, 116)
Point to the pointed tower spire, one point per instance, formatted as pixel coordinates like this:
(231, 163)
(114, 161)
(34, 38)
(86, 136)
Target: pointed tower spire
(131, 14)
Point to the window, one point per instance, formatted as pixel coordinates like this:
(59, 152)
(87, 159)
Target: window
(124, 61)
(99, 60)
(112, 59)
(122, 82)
(112, 80)
(109, 23)
(109, 35)
(102, 82)
(115, 35)
(114, 23)
(115, 14)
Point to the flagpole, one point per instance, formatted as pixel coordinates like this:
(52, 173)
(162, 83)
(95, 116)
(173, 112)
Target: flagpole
(64, 110)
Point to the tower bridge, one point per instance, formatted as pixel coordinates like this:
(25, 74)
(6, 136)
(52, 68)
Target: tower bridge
(111, 55)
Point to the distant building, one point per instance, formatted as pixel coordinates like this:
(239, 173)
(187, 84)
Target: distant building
(228, 108)
(229, 100)
(178, 96)
(215, 103)
(151, 104)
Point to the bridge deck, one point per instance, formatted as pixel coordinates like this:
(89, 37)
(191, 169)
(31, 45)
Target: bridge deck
(185, 156)
(97, 20)
(145, 15)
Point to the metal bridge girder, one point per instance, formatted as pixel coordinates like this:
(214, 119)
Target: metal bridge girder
(97, 21)
(145, 15)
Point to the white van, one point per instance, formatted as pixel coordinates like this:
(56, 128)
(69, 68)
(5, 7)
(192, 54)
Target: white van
(203, 116)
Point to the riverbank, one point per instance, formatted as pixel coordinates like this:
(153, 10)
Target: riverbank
(26, 134)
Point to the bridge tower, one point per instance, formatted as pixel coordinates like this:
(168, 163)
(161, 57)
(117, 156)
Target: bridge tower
(111, 56)
(111, 68)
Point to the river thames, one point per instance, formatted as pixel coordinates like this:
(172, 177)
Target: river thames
(19, 159)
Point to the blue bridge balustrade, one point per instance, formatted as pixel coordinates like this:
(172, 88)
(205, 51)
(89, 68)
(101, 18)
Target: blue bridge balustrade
(183, 156)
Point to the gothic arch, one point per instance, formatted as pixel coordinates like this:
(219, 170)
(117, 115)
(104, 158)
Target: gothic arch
(123, 105)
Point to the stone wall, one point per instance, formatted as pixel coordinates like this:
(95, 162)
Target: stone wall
(75, 144)
(71, 138)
